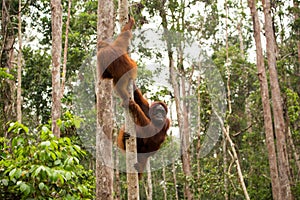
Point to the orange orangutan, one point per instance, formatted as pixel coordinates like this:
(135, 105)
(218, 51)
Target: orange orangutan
(152, 125)
(115, 63)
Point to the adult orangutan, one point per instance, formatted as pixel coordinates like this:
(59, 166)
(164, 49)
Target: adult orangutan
(151, 124)
(115, 63)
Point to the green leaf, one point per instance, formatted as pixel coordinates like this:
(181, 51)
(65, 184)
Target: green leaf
(77, 122)
(45, 129)
(53, 155)
(18, 173)
(76, 160)
(12, 173)
(54, 144)
(41, 186)
(67, 140)
(38, 170)
(46, 143)
(61, 178)
(68, 175)
(57, 162)
(54, 176)
(25, 188)
(4, 182)
(11, 126)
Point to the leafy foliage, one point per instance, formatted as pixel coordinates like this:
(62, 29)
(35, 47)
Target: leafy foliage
(37, 165)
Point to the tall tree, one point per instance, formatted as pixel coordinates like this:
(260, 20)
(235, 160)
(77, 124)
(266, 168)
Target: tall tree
(19, 95)
(283, 162)
(296, 15)
(148, 184)
(56, 16)
(182, 116)
(63, 78)
(104, 172)
(131, 149)
(264, 90)
(7, 98)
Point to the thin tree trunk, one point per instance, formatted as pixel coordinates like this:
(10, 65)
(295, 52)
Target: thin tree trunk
(226, 128)
(225, 162)
(296, 6)
(63, 78)
(265, 103)
(183, 126)
(198, 148)
(117, 186)
(225, 167)
(104, 171)
(131, 150)
(283, 162)
(175, 179)
(164, 181)
(148, 185)
(19, 90)
(294, 151)
(240, 31)
(184, 153)
(56, 11)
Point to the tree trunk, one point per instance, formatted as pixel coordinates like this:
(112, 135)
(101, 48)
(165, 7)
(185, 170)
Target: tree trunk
(283, 162)
(131, 150)
(183, 126)
(164, 180)
(117, 185)
(198, 147)
(184, 138)
(104, 171)
(264, 90)
(19, 87)
(294, 151)
(226, 128)
(296, 15)
(149, 186)
(7, 92)
(56, 11)
(175, 179)
(225, 168)
(63, 78)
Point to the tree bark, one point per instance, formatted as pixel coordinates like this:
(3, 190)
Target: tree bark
(56, 12)
(226, 128)
(175, 179)
(63, 78)
(149, 186)
(117, 186)
(296, 15)
(198, 147)
(131, 150)
(225, 168)
(184, 138)
(264, 90)
(7, 92)
(19, 87)
(183, 125)
(164, 180)
(104, 171)
(283, 162)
